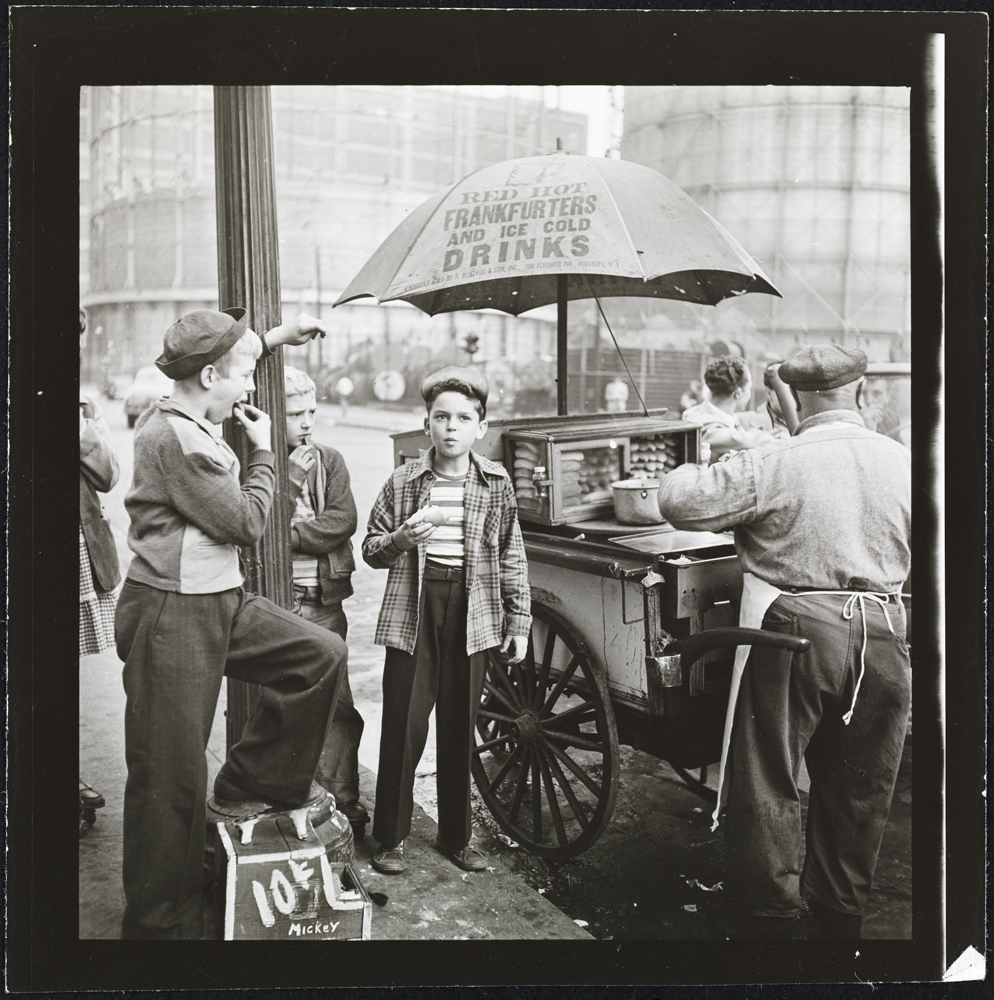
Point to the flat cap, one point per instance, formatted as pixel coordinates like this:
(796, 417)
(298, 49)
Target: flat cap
(823, 366)
(472, 378)
(198, 338)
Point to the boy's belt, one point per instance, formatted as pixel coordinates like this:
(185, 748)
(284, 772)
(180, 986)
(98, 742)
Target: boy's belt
(450, 573)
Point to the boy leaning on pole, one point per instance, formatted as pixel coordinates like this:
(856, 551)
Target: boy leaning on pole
(323, 520)
(184, 621)
(447, 528)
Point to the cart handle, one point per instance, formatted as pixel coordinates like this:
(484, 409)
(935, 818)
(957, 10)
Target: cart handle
(695, 646)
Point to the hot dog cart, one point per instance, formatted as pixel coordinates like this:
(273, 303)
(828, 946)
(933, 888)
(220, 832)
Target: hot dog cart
(633, 635)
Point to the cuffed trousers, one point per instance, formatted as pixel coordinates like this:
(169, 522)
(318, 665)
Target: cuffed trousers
(338, 768)
(791, 707)
(438, 674)
(176, 648)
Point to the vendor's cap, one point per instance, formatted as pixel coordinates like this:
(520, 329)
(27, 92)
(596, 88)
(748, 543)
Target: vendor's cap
(473, 378)
(823, 366)
(199, 338)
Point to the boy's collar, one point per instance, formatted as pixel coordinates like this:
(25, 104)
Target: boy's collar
(424, 465)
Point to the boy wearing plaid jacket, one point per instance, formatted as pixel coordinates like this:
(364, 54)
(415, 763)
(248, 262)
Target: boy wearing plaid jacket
(446, 527)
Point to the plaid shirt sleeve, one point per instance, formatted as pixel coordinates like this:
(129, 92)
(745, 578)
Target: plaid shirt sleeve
(378, 548)
(514, 589)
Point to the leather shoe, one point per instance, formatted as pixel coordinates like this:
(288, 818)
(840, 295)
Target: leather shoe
(390, 860)
(467, 858)
(354, 812)
(230, 802)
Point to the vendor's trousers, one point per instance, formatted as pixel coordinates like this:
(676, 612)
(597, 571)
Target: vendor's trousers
(791, 707)
(438, 674)
(176, 648)
(338, 768)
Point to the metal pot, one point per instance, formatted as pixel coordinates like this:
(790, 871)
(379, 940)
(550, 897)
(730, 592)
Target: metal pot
(636, 501)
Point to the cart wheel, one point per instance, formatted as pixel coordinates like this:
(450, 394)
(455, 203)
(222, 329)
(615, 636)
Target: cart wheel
(90, 815)
(546, 755)
(84, 827)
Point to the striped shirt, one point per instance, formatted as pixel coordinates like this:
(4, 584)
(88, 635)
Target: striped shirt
(446, 543)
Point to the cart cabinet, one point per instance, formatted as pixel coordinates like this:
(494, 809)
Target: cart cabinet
(577, 462)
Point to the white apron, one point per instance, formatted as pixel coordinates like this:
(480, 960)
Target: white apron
(757, 596)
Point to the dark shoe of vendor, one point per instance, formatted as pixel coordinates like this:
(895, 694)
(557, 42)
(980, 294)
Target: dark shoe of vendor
(467, 858)
(390, 860)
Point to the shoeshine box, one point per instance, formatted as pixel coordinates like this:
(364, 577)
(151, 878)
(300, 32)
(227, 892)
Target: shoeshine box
(277, 887)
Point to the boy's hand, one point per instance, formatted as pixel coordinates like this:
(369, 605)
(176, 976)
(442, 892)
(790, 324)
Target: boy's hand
(408, 535)
(257, 425)
(296, 333)
(520, 644)
(300, 462)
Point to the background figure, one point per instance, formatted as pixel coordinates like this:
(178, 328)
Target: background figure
(616, 395)
(696, 393)
(730, 385)
(768, 416)
(322, 523)
(99, 570)
(344, 388)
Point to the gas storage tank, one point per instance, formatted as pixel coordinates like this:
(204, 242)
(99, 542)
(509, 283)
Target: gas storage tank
(814, 182)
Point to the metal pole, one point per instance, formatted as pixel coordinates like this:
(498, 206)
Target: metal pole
(562, 356)
(249, 276)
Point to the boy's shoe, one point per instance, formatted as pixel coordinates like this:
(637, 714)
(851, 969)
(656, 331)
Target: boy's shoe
(390, 860)
(89, 798)
(355, 812)
(467, 858)
(229, 802)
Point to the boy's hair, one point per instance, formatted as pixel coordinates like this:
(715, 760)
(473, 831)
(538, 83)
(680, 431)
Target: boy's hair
(296, 382)
(463, 388)
(248, 345)
(725, 374)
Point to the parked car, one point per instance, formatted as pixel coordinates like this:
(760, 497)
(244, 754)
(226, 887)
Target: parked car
(148, 386)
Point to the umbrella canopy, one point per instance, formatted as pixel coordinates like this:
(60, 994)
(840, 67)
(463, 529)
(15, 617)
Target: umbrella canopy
(500, 237)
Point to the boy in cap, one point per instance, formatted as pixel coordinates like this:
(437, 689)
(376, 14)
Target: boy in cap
(183, 621)
(322, 523)
(446, 526)
(822, 524)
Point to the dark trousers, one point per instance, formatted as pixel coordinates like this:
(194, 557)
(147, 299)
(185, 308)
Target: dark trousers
(338, 768)
(438, 674)
(176, 648)
(791, 707)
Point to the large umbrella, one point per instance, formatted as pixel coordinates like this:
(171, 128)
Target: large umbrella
(524, 233)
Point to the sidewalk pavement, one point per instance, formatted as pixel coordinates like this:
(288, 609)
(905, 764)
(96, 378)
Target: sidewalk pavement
(432, 900)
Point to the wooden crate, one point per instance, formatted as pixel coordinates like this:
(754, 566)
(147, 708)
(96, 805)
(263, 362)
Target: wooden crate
(280, 888)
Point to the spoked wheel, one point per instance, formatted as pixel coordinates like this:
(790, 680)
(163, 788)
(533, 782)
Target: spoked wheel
(546, 755)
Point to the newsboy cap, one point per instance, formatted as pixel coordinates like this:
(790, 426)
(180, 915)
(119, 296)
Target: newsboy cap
(198, 338)
(472, 378)
(823, 366)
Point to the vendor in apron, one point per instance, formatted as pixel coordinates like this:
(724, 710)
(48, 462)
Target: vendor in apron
(822, 524)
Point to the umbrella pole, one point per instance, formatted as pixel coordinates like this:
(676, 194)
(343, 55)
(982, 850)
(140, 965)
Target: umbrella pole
(562, 355)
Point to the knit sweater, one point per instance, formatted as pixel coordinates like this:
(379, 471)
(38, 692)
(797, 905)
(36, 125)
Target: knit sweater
(189, 513)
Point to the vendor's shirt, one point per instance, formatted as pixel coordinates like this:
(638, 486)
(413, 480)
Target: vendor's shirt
(446, 544)
(827, 509)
